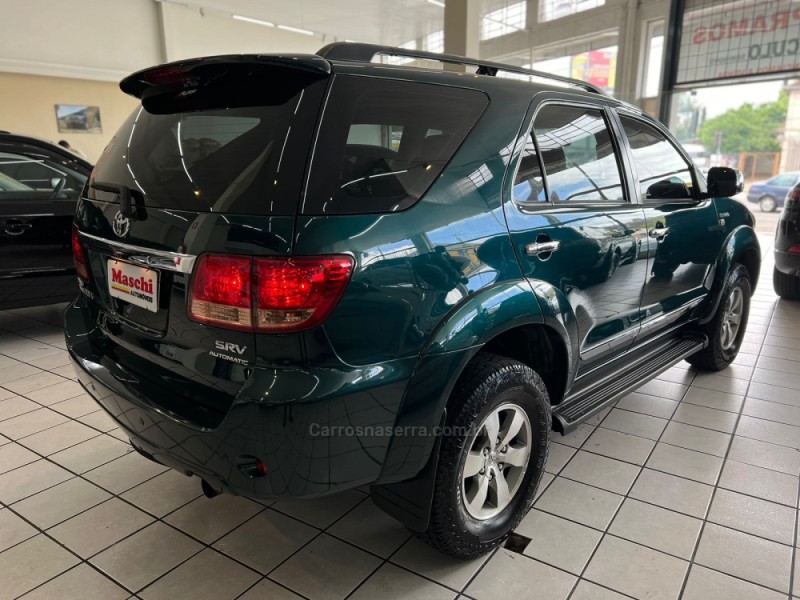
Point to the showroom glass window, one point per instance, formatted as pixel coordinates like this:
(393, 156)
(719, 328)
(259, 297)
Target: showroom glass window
(580, 163)
(658, 163)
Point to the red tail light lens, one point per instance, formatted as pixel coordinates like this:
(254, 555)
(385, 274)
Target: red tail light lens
(298, 293)
(792, 198)
(794, 249)
(267, 294)
(221, 291)
(79, 256)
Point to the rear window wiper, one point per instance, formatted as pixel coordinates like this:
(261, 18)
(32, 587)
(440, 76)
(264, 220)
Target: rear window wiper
(125, 194)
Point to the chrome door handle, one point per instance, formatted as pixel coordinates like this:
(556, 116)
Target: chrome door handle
(15, 227)
(658, 232)
(538, 248)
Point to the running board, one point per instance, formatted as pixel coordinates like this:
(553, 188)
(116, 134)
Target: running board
(592, 398)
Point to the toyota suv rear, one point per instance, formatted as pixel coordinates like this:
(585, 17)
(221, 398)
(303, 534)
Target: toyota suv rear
(302, 274)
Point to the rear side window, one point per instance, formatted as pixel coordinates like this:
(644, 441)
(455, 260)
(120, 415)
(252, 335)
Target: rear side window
(241, 149)
(783, 180)
(580, 163)
(33, 174)
(663, 172)
(382, 143)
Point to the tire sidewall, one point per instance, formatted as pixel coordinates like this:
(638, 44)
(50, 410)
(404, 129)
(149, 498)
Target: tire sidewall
(513, 390)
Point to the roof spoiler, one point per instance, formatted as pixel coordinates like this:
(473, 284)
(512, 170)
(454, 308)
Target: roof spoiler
(196, 72)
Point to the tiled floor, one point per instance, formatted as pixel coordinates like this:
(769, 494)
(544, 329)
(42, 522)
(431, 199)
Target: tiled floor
(687, 488)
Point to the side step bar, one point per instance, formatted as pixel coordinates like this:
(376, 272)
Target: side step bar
(590, 399)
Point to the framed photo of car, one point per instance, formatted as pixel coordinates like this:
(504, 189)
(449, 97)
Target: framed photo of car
(78, 118)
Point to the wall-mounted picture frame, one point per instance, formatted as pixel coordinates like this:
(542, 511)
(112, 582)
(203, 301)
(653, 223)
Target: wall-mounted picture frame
(78, 118)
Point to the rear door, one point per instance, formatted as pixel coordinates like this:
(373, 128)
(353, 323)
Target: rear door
(683, 232)
(38, 192)
(576, 227)
(211, 163)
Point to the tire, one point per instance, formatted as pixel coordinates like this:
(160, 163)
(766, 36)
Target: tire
(786, 286)
(767, 204)
(490, 383)
(724, 344)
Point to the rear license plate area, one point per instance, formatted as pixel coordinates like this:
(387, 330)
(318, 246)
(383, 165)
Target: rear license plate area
(133, 284)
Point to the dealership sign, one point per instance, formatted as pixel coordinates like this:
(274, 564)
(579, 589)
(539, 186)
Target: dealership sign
(739, 39)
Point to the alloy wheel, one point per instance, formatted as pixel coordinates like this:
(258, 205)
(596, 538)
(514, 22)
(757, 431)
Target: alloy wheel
(732, 318)
(498, 455)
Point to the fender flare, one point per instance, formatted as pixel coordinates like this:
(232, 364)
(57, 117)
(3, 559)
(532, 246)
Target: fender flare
(742, 239)
(406, 484)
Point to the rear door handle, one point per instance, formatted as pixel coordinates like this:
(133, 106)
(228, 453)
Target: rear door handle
(538, 248)
(15, 227)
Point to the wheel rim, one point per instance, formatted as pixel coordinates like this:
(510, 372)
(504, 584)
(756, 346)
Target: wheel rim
(497, 458)
(732, 318)
(767, 204)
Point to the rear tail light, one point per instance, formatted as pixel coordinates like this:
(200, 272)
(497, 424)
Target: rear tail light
(794, 249)
(298, 292)
(793, 198)
(277, 295)
(221, 291)
(79, 256)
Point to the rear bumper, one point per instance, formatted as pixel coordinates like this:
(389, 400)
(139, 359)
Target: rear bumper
(788, 264)
(334, 438)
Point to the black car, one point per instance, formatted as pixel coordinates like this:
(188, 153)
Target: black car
(40, 183)
(786, 276)
(304, 274)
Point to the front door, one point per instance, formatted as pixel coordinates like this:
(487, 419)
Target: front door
(683, 232)
(575, 228)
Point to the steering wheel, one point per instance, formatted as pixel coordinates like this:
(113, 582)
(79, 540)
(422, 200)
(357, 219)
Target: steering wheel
(58, 186)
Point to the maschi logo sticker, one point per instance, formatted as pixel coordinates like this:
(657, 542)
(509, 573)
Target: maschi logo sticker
(133, 284)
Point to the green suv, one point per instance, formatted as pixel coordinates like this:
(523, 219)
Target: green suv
(302, 274)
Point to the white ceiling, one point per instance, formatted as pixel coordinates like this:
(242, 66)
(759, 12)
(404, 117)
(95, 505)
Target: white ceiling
(378, 21)
(390, 22)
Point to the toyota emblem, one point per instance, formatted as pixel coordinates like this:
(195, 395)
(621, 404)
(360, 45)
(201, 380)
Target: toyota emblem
(121, 224)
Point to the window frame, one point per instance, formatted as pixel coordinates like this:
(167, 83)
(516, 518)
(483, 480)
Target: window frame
(621, 156)
(698, 186)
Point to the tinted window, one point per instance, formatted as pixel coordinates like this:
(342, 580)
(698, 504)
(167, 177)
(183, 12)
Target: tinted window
(38, 175)
(528, 182)
(579, 160)
(245, 159)
(663, 172)
(382, 143)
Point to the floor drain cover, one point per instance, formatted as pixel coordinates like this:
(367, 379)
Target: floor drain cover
(516, 542)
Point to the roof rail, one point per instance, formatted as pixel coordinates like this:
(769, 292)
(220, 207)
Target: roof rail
(366, 52)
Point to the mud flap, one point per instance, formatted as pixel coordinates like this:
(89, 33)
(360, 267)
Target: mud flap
(410, 501)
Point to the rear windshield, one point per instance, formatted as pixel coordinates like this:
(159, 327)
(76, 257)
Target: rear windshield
(242, 152)
(382, 143)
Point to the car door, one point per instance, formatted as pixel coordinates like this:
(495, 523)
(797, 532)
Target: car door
(779, 186)
(574, 226)
(683, 232)
(38, 192)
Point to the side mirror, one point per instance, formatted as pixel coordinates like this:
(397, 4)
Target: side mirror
(724, 182)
